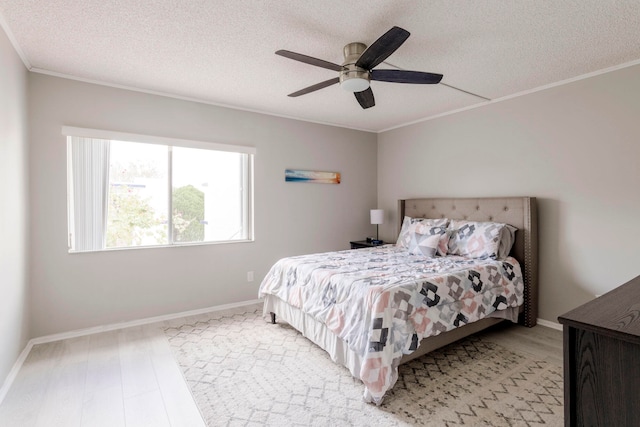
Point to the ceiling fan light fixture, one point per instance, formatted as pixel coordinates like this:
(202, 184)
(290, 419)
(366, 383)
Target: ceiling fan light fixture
(355, 84)
(353, 78)
(357, 70)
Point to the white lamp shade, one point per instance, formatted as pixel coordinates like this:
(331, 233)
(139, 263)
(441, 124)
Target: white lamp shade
(377, 216)
(355, 84)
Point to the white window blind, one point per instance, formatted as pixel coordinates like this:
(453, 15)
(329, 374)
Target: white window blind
(89, 166)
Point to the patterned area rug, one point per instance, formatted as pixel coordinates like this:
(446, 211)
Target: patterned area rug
(243, 370)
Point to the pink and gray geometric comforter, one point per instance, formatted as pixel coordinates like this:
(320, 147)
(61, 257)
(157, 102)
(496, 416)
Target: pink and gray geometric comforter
(382, 301)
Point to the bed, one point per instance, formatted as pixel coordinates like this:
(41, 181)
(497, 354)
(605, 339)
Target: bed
(373, 309)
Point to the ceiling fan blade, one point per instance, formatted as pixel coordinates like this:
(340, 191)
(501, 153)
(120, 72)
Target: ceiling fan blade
(403, 76)
(382, 48)
(309, 60)
(315, 87)
(365, 98)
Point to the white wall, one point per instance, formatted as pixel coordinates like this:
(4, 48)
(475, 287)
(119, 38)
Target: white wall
(71, 291)
(575, 147)
(14, 327)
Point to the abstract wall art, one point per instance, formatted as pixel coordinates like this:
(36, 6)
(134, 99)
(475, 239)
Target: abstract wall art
(317, 177)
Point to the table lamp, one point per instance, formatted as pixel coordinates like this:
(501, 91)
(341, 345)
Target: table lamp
(377, 218)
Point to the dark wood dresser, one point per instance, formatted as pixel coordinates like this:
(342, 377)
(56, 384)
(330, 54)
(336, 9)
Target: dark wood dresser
(602, 360)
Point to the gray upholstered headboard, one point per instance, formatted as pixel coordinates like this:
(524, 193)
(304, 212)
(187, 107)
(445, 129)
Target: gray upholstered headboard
(520, 212)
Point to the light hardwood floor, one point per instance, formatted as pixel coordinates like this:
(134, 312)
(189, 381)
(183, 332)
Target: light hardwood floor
(126, 377)
(129, 378)
(546, 343)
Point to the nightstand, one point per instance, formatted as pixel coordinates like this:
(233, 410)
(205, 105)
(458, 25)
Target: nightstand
(359, 244)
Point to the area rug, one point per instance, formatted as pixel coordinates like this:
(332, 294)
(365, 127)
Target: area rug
(243, 370)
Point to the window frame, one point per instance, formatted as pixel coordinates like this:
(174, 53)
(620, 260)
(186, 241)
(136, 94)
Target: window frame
(247, 176)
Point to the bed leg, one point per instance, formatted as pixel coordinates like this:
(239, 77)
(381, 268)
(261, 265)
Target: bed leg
(273, 318)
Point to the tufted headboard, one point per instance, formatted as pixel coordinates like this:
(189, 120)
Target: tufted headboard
(520, 212)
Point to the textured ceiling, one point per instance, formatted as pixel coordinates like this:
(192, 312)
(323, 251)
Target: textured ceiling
(222, 52)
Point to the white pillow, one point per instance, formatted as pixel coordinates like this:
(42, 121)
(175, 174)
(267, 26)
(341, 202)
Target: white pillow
(475, 239)
(405, 233)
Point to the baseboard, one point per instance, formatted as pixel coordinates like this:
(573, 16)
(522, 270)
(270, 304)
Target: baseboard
(104, 328)
(145, 321)
(549, 324)
(13, 373)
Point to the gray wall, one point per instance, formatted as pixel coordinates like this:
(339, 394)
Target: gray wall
(14, 329)
(71, 291)
(575, 147)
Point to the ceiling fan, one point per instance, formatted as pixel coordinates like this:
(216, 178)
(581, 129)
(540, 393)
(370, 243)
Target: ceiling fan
(356, 72)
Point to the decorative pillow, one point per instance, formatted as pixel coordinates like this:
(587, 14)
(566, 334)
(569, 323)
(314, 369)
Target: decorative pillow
(405, 234)
(476, 239)
(424, 244)
(426, 240)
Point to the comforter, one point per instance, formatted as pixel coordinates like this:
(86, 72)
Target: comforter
(382, 301)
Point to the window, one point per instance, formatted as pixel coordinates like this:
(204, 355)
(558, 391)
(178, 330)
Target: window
(128, 191)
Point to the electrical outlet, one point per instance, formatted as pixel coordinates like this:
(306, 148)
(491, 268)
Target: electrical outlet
(250, 276)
